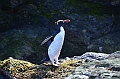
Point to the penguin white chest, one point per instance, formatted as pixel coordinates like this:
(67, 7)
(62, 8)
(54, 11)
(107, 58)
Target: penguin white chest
(56, 46)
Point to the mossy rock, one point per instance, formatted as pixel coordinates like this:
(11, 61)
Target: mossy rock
(25, 70)
(22, 44)
(14, 66)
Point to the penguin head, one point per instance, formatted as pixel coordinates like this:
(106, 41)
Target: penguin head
(62, 22)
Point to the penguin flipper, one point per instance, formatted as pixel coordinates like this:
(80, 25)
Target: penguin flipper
(46, 39)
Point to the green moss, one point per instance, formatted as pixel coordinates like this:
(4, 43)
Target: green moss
(15, 66)
(44, 12)
(36, 20)
(76, 2)
(24, 70)
(89, 7)
(48, 15)
(115, 21)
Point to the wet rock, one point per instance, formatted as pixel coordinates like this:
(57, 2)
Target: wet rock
(5, 75)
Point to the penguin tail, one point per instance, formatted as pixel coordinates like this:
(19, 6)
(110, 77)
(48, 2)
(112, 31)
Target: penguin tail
(42, 61)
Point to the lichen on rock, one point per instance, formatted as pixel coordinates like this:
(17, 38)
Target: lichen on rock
(25, 70)
(89, 65)
(14, 66)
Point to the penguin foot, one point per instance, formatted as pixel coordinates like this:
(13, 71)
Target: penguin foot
(55, 65)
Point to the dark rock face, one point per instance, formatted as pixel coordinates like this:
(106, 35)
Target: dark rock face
(94, 33)
(94, 27)
(5, 75)
(22, 44)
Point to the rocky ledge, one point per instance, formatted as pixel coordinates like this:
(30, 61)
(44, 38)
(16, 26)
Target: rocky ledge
(90, 65)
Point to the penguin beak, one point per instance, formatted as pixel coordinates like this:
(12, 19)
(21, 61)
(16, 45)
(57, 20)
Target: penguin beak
(64, 21)
(67, 21)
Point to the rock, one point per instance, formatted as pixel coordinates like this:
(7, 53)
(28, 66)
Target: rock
(5, 75)
(102, 69)
(22, 44)
(115, 54)
(67, 58)
(94, 27)
(15, 67)
(70, 68)
(93, 56)
(25, 70)
(77, 77)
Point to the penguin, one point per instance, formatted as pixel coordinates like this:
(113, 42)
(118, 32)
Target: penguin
(55, 42)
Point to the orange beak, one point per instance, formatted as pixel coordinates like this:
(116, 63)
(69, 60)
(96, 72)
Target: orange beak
(67, 20)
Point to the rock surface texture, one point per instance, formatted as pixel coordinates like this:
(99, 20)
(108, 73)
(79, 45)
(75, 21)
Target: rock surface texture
(95, 26)
(90, 65)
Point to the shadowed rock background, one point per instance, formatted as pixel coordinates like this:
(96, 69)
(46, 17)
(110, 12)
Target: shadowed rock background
(95, 26)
